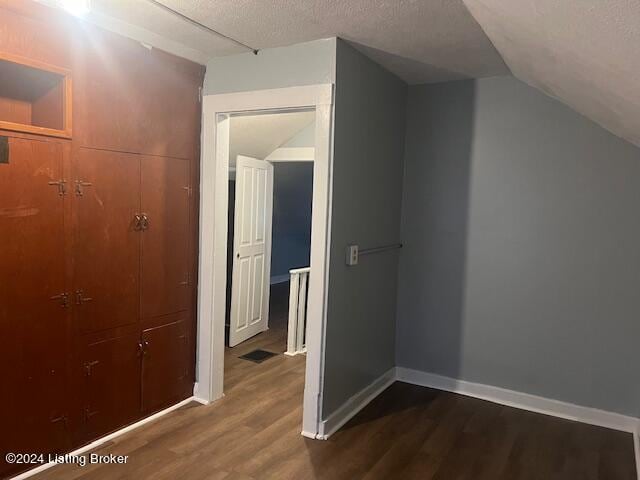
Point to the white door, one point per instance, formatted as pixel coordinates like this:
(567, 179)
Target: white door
(251, 249)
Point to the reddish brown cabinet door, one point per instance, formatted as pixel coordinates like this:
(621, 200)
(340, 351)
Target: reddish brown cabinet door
(165, 364)
(106, 192)
(34, 325)
(111, 375)
(134, 99)
(165, 238)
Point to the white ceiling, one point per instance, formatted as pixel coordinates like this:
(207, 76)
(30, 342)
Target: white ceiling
(584, 52)
(259, 135)
(420, 40)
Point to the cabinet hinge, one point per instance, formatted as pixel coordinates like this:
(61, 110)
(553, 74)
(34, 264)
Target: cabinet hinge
(62, 186)
(200, 94)
(81, 299)
(88, 414)
(88, 367)
(80, 185)
(64, 299)
(64, 419)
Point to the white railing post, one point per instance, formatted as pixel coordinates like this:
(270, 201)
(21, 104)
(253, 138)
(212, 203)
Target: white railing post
(297, 311)
(293, 314)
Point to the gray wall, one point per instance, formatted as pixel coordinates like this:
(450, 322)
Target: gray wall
(292, 200)
(301, 64)
(367, 183)
(521, 225)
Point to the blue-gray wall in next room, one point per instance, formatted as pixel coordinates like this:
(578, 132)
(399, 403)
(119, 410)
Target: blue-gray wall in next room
(292, 200)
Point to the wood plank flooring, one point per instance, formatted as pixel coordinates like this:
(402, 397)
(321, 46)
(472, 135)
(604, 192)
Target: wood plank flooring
(408, 432)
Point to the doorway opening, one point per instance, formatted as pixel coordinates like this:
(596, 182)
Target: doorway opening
(268, 242)
(246, 277)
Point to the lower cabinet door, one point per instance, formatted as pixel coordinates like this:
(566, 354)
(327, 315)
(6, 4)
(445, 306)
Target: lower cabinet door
(111, 371)
(165, 365)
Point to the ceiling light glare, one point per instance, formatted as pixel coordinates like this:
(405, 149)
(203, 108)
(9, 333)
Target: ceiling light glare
(77, 8)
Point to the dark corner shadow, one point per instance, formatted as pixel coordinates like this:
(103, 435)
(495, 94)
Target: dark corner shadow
(397, 398)
(414, 71)
(436, 212)
(432, 279)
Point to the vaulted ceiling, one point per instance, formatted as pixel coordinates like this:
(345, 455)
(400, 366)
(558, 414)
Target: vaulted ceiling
(259, 135)
(584, 52)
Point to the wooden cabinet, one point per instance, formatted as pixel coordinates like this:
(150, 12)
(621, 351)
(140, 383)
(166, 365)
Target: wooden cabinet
(106, 280)
(99, 229)
(165, 366)
(34, 320)
(165, 193)
(110, 371)
(128, 97)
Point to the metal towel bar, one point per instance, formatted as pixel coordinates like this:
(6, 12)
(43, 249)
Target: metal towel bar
(369, 251)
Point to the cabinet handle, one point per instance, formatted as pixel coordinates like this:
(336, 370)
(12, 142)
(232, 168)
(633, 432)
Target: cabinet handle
(145, 222)
(142, 348)
(137, 222)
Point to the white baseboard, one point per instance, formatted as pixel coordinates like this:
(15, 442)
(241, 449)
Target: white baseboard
(196, 397)
(524, 401)
(280, 279)
(106, 438)
(356, 403)
(636, 447)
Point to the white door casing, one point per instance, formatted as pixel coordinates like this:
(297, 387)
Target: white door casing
(212, 273)
(251, 249)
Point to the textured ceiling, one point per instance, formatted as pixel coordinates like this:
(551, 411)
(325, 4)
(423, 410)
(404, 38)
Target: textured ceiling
(419, 40)
(583, 52)
(259, 135)
(586, 53)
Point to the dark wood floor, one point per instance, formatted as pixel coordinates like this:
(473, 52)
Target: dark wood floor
(408, 432)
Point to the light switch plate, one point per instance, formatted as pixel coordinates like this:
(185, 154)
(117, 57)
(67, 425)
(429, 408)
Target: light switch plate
(352, 255)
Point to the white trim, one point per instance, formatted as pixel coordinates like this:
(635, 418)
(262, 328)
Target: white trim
(354, 404)
(213, 233)
(636, 448)
(196, 397)
(523, 401)
(279, 279)
(102, 440)
(292, 154)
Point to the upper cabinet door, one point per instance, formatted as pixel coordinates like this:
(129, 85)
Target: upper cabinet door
(106, 192)
(165, 238)
(129, 98)
(34, 325)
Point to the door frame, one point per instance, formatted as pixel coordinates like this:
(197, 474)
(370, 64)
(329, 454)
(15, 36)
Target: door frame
(214, 200)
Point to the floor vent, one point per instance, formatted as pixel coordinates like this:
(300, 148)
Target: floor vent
(258, 356)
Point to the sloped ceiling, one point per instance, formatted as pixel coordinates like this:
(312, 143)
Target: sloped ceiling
(586, 53)
(259, 135)
(420, 40)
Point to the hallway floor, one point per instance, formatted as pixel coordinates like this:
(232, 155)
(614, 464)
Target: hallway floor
(408, 432)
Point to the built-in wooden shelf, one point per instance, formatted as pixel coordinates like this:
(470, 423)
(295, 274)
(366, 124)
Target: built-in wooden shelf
(34, 97)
